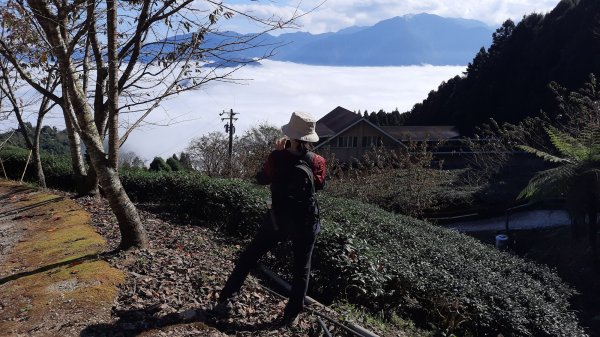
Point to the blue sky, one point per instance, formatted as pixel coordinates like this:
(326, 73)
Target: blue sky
(333, 15)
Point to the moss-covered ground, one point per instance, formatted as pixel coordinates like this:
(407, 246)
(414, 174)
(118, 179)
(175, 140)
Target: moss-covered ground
(51, 279)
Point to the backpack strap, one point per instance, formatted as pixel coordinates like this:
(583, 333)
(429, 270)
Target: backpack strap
(308, 158)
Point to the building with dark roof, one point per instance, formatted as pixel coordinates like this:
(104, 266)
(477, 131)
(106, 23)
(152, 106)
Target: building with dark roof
(349, 135)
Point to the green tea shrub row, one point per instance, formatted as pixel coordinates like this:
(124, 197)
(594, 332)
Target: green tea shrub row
(393, 262)
(388, 262)
(57, 168)
(235, 206)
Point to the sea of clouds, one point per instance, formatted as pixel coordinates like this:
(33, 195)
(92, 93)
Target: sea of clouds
(271, 92)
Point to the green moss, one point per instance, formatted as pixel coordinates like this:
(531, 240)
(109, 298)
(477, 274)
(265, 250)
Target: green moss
(56, 233)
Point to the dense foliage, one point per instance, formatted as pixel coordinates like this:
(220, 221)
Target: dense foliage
(52, 140)
(510, 80)
(57, 168)
(388, 262)
(159, 164)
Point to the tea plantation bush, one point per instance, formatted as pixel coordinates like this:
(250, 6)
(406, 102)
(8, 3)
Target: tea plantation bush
(57, 168)
(399, 263)
(389, 262)
(233, 205)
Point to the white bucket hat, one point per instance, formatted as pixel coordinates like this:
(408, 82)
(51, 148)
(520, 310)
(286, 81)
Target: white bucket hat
(301, 127)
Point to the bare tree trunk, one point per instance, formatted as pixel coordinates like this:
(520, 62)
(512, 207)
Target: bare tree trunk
(130, 225)
(112, 92)
(34, 146)
(77, 162)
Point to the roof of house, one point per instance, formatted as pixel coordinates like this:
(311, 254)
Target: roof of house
(340, 119)
(426, 132)
(335, 121)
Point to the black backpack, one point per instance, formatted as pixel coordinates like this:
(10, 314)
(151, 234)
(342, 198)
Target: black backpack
(297, 192)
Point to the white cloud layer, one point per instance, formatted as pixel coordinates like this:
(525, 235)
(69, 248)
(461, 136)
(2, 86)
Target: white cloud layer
(277, 89)
(333, 15)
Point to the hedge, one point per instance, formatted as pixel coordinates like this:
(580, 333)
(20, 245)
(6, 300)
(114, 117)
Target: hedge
(388, 262)
(234, 206)
(57, 168)
(434, 274)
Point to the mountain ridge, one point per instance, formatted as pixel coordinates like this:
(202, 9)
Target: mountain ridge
(399, 41)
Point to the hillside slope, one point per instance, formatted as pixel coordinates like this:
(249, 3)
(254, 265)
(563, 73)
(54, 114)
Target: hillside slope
(510, 80)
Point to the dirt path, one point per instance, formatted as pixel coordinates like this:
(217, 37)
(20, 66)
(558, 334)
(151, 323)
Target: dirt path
(10, 231)
(51, 280)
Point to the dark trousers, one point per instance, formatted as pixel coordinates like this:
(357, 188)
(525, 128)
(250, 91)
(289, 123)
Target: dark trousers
(265, 240)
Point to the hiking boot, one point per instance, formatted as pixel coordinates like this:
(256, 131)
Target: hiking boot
(222, 309)
(289, 321)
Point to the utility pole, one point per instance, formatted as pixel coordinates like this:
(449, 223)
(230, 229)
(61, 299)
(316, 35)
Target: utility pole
(229, 128)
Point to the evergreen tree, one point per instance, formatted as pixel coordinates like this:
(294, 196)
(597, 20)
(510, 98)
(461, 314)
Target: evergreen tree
(509, 81)
(382, 117)
(174, 163)
(373, 118)
(185, 161)
(395, 118)
(158, 164)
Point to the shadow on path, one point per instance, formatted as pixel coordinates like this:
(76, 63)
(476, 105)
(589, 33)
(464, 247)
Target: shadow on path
(30, 206)
(135, 322)
(74, 261)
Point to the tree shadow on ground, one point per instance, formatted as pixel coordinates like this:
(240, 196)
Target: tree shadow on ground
(89, 257)
(136, 322)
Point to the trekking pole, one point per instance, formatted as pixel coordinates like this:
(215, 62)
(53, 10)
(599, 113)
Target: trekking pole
(324, 327)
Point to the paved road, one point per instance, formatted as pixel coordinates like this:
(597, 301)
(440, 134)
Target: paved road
(519, 220)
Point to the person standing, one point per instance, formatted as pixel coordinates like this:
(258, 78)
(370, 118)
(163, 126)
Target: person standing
(290, 221)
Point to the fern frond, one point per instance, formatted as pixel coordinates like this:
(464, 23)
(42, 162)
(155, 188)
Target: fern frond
(544, 155)
(567, 145)
(595, 159)
(548, 182)
(590, 137)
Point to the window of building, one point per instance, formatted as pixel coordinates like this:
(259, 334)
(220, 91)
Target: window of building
(347, 141)
(371, 141)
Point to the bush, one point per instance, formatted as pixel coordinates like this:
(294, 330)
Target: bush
(235, 206)
(175, 164)
(57, 168)
(158, 164)
(384, 261)
(395, 263)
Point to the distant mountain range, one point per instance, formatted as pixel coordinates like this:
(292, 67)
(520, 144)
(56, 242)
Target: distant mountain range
(407, 40)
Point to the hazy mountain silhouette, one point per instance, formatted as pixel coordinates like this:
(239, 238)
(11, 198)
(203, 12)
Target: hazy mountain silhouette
(407, 40)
